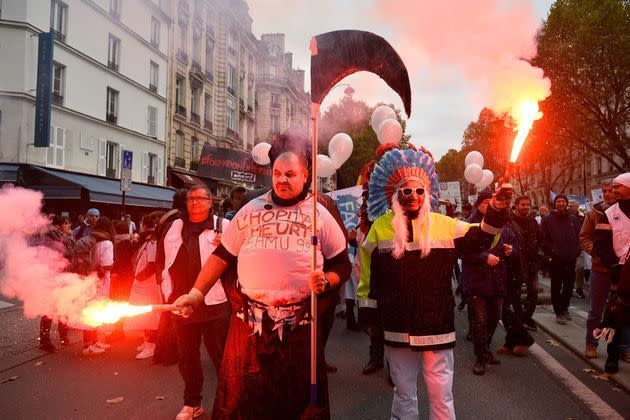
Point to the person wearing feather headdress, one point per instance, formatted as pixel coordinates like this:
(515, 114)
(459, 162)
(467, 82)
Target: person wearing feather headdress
(407, 260)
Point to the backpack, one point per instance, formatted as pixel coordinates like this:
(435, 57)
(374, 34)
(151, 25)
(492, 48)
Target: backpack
(83, 260)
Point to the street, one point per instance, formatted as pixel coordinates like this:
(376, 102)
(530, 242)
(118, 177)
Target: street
(550, 383)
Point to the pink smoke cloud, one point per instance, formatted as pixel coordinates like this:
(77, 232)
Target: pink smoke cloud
(34, 273)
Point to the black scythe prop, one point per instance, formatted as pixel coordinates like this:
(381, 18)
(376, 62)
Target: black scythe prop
(335, 55)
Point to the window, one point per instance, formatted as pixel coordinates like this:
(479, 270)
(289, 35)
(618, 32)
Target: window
(58, 17)
(58, 83)
(54, 153)
(179, 93)
(209, 57)
(113, 53)
(112, 157)
(194, 152)
(231, 118)
(231, 42)
(275, 124)
(273, 71)
(152, 168)
(275, 100)
(231, 79)
(599, 165)
(179, 145)
(196, 53)
(207, 109)
(152, 122)
(154, 71)
(112, 106)
(183, 36)
(114, 8)
(194, 104)
(155, 32)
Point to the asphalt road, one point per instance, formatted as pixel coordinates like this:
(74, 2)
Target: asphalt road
(67, 385)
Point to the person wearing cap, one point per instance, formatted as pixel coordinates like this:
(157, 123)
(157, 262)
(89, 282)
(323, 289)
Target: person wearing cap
(406, 268)
(91, 217)
(264, 373)
(560, 231)
(611, 244)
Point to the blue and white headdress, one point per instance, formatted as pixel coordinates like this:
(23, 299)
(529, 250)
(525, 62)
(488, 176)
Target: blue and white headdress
(394, 169)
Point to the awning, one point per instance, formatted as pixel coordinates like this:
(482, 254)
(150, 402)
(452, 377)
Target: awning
(58, 184)
(8, 173)
(187, 179)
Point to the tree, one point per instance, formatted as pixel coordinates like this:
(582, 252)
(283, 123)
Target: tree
(451, 166)
(584, 48)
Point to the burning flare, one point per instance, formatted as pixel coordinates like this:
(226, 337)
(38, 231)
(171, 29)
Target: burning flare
(525, 114)
(109, 312)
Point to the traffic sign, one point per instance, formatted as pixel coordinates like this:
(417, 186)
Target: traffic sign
(125, 172)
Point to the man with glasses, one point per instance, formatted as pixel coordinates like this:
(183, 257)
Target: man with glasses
(407, 260)
(600, 277)
(187, 245)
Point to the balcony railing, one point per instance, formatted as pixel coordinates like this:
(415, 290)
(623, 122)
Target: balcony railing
(207, 125)
(275, 105)
(232, 135)
(110, 172)
(57, 99)
(182, 55)
(194, 164)
(231, 91)
(180, 110)
(112, 65)
(250, 108)
(210, 31)
(271, 78)
(195, 118)
(180, 162)
(196, 66)
(152, 88)
(111, 118)
(150, 179)
(58, 35)
(209, 76)
(241, 103)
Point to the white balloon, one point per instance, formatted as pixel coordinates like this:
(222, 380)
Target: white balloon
(340, 149)
(260, 153)
(325, 166)
(486, 178)
(473, 173)
(474, 157)
(390, 131)
(380, 114)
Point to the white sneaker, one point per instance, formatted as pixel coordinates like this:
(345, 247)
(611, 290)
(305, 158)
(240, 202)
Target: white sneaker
(147, 351)
(188, 413)
(141, 346)
(92, 350)
(102, 345)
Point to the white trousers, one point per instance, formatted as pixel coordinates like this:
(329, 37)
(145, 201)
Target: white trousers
(437, 369)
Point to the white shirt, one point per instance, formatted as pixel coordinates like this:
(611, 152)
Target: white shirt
(273, 247)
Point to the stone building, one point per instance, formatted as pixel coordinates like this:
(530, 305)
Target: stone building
(212, 84)
(282, 101)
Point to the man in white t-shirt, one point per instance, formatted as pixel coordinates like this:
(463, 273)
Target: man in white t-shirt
(265, 369)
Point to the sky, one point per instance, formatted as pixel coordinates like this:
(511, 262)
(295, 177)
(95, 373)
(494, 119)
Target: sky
(456, 52)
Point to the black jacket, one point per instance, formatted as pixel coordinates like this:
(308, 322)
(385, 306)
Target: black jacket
(560, 234)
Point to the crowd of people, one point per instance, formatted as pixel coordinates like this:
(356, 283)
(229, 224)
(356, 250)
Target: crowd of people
(398, 268)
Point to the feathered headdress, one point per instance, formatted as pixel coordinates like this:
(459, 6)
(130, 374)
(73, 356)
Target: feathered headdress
(395, 167)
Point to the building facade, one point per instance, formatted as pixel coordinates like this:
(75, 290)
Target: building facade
(212, 84)
(282, 101)
(576, 172)
(109, 87)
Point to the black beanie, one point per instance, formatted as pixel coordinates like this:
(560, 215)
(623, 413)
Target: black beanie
(482, 195)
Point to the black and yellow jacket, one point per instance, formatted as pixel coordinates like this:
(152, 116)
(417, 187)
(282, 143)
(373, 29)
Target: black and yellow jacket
(413, 295)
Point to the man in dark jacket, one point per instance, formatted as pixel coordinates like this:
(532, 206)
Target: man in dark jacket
(560, 233)
(484, 278)
(526, 264)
